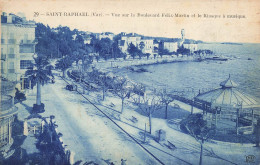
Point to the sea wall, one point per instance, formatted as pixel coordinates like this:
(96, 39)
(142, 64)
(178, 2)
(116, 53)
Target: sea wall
(119, 63)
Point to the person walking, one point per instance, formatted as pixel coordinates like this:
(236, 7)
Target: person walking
(123, 162)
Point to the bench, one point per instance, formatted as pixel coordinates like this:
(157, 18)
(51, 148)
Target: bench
(134, 119)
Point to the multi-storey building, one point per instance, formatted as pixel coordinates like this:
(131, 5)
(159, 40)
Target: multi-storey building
(127, 39)
(17, 47)
(106, 35)
(170, 46)
(192, 46)
(148, 46)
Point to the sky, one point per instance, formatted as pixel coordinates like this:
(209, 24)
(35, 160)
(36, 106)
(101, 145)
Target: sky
(55, 13)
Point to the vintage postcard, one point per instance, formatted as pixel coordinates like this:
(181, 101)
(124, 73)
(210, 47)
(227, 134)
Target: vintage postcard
(138, 82)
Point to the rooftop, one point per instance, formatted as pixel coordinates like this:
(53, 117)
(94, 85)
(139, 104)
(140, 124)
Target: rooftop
(14, 19)
(229, 95)
(228, 83)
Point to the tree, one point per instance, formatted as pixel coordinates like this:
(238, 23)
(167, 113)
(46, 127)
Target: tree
(105, 82)
(86, 62)
(105, 48)
(141, 45)
(79, 49)
(139, 53)
(257, 133)
(166, 99)
(182, 50)
(41, 73)
(132, 50)
(197, 128)
(138, 89)
(161, 50)
(147, 55)
(123, 89)
(102, 80)
(63, 64)
(124, 55)
(55, 42)
(116, 51)
(149, 105)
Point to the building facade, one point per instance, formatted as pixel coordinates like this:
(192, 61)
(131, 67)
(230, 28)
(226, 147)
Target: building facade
(104, 35)
(170, 46)
(193, 47)
(148, 46)
(17, 47)
(127, 39)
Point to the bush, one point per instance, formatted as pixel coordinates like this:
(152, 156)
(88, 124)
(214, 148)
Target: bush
(19, 96)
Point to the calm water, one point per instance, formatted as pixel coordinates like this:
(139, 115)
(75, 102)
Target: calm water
(207, 75)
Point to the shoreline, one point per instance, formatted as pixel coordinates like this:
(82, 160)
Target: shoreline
(142, 62)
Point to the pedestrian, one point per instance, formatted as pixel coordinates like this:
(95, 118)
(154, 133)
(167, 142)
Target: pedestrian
(123, 162)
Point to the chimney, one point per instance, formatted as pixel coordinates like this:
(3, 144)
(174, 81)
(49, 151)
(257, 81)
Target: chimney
(10, 18)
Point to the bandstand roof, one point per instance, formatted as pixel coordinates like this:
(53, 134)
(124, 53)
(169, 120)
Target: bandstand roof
(228, 95)
(228, 83)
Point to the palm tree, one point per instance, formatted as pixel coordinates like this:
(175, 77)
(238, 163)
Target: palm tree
(40, 73)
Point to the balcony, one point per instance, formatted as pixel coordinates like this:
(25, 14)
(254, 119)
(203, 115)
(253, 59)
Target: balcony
(3, 57)
(10, 70)
(11, 41)
(11, 55)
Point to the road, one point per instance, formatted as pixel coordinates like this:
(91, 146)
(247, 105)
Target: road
(86, 132)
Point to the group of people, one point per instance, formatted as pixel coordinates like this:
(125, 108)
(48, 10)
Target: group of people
(123, 162)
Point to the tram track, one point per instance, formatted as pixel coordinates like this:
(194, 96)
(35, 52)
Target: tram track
(123, 130)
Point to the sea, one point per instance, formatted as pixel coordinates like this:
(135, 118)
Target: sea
(243, 66)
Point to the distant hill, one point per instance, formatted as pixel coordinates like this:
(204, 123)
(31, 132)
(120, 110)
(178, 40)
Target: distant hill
(231, 43)
(165, 39)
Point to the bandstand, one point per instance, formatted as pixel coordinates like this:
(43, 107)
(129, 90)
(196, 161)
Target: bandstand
(7, 113)
(229, 110)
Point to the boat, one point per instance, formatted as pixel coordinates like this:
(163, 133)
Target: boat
(216, 58)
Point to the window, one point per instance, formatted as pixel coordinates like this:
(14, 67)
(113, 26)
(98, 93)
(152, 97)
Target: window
(11, 56)
(11, 67)
(11, 51)
(11, 35)
(25, 64)
(26, 49)
(2, 38)
(2, 67)
(25, 37)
